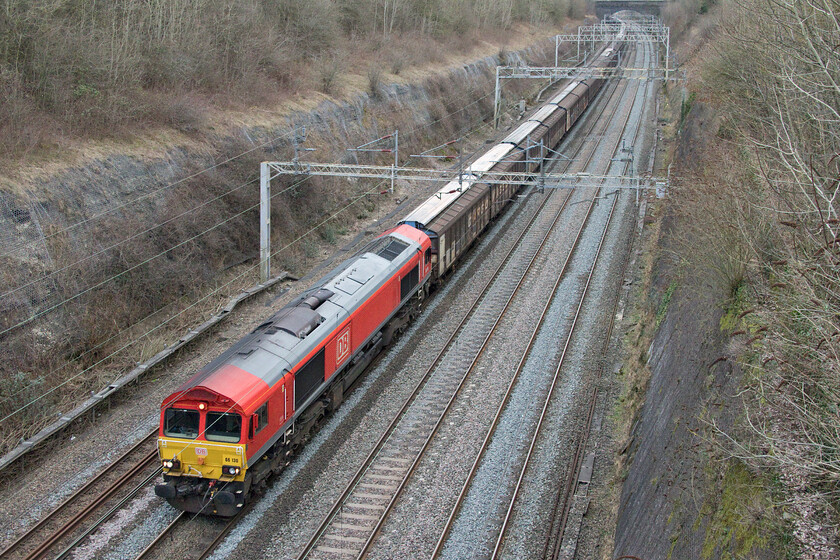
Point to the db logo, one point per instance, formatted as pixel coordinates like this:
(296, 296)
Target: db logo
(342, 346)
(201, 451)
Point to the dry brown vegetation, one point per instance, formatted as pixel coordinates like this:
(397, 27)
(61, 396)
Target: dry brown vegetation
(758, 197)
(85, 68)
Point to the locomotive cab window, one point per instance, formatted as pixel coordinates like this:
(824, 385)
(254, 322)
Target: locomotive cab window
(181, 423)
(223, 426)
(428, 256)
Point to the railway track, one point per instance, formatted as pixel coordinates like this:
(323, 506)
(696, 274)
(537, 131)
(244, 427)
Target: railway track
(76, 530)
(510, 388)
(371, 493)
(553, 548)
(199, 542)
(547, 401)
(562, 505)
(173, 527)
(356, 518)
(511, 385)
(80, 514)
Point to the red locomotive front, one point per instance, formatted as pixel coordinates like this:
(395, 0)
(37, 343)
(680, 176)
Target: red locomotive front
(242, 416)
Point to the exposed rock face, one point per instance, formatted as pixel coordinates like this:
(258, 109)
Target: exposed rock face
(674, 498)
(83, 193)
(663, 490)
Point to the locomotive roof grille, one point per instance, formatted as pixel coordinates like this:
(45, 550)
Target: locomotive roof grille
(388, 248)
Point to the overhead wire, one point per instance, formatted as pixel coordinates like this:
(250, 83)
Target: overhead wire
(247, 271)
(250, 269)
(169, 220)
(144, 196)
(331, 217)
(110, 279)
(255, 387)
(124, 241)
(97, 347)
(210, 294)
(138, 265)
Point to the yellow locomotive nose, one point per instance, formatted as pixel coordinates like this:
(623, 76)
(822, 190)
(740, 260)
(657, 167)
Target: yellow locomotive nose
(203, 459)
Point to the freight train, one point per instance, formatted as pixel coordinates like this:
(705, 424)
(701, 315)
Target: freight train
(243, 416)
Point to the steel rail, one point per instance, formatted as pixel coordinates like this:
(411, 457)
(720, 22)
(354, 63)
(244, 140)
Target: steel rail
(578, 453)
(110, 513)
(224, 532)
(378, 527)
(375, 533)
(182, 518)
(392, 502)
(388, 431)
(544, 411)
(562, 506)
(417, 389)
(491, 430)
(509, 391)
(310, 546)
(172, 524)
(30, 533)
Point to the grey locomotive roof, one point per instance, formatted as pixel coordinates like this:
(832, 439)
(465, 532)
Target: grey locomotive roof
(289, 335)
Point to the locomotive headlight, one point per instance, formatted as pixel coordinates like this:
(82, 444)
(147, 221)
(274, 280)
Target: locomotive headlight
(172, 463)
(167, 464)
(232, 471)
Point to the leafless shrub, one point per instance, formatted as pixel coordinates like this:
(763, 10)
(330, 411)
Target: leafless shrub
(329, 72)
(120, 281)
(97, 70)
(763, 203)
(397, 64)
(374, 77)
(184, 113)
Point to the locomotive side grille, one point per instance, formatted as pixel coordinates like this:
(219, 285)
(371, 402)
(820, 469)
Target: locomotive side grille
(308, 378)
(409, 282)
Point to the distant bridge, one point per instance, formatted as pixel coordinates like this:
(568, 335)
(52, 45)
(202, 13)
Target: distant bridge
(646, 7)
